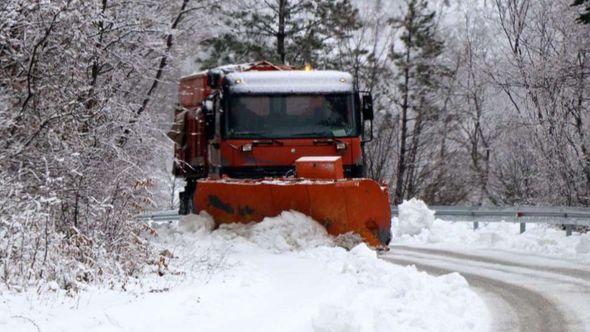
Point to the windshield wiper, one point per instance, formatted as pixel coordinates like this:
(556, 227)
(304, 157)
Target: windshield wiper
(325, 133)
(249, 134)
(270, 141)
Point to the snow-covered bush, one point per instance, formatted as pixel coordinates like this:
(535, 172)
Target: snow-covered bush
(78, 132)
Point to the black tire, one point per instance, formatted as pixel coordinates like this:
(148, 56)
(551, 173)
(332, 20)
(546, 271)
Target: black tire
(183, 204)
(186, 205)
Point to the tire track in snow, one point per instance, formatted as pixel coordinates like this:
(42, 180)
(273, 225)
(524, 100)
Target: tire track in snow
(576, 273)
(523, 274)
(514, 307)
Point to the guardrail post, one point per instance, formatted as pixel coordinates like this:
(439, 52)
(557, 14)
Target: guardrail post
(522, 224)
(568, 230)
(475, 225)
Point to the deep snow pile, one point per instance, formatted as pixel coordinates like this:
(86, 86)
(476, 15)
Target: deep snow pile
(541, 239)
(414, 216)
(283, 274)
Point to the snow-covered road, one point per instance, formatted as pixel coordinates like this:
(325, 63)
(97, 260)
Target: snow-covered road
(524, 292)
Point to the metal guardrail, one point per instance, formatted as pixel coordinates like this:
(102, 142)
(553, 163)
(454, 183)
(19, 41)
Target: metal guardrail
(547, 215)
(166, 215)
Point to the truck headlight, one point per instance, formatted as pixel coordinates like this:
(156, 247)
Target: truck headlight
(247, 147)
(340, 146)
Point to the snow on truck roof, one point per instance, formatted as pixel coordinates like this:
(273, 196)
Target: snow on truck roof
(291, 81)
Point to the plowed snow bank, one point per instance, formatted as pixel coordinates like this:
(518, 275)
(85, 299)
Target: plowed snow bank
(284, 274)
(289, 231)
(541, 239)
(414, 216)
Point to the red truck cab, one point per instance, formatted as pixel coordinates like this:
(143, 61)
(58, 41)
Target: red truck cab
(256, 120)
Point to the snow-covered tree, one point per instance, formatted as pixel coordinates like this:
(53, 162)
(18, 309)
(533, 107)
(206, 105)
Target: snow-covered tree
(418, 76)
(585, 15)
(79, 126)
(281, 31)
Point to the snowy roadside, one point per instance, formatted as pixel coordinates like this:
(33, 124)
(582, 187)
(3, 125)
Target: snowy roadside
(419, 228)
(283, 274)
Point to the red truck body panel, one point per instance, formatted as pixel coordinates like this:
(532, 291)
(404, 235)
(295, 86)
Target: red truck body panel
(323, 187)
(284, 152)
(194, 152)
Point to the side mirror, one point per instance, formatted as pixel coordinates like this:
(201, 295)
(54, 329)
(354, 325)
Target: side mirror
(208, 109)
(367, 107)
(213, 79)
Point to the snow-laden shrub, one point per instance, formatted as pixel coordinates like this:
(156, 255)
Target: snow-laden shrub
(414, 216)
(36, 245)
(80, 131)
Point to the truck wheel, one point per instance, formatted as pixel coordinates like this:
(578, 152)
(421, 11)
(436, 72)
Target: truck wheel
(186, 205)
(182, 208)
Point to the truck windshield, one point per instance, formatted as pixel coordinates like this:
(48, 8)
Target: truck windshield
(288, 116)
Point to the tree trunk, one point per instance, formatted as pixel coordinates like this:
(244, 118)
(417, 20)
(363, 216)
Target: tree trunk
(413, 153)
(401, 161)
(281, 31)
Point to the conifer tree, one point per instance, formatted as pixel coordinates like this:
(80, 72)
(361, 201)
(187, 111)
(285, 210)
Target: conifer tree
(584, 17)
(281, 31)
(417, 76)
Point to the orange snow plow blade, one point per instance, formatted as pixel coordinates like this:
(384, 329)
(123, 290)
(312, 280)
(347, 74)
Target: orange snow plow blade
(352, 205)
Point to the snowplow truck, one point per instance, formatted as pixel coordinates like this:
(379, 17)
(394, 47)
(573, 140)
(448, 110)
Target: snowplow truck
(257, 139)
